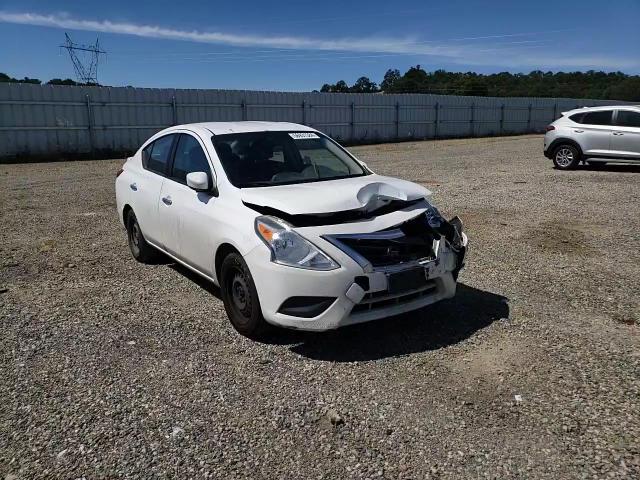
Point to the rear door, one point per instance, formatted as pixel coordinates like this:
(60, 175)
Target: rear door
(594, 132)
(625, 140)
(146, 189)
(189, 230)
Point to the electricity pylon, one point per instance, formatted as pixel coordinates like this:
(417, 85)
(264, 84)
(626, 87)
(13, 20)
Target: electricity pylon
(86, 72)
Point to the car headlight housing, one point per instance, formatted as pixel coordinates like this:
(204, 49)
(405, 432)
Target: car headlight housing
(289, 248)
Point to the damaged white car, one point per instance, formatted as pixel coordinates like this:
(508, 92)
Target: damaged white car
(295, 230)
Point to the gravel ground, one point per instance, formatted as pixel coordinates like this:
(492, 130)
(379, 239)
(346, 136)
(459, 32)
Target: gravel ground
(115, 369)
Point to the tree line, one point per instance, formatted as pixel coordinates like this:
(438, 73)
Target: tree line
(4, 78)
(591, 84)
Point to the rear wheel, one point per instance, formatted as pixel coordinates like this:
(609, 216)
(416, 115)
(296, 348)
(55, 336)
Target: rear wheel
(240, 297)
(140, 249)
(566, 157)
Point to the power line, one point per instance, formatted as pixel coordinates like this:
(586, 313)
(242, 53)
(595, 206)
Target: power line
(86, 72)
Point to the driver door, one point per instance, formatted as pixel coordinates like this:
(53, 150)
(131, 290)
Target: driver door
(189, 229)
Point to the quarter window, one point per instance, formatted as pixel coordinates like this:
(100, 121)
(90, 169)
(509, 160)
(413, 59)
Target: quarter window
(159, 153)
(189, 158)
(627, 118)
(577, 117)
(602, 117)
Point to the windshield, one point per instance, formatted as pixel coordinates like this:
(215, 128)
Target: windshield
(260, 159)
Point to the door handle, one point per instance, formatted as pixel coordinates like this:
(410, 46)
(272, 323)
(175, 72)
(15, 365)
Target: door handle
(133, 187)
(618, 134)
(579, 131)
(167, 200)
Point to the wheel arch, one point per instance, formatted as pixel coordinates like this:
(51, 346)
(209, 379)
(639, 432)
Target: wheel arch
(223, 250)
(565, 141)
(125, 211)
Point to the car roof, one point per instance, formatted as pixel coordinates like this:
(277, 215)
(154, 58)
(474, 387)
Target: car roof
(221, 128)
(602, 107)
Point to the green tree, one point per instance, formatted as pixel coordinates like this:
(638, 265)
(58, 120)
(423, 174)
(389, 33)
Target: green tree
(364, 85)
(59, 81)
(390, 78)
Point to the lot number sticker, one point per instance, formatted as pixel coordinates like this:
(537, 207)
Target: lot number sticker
(303, 136)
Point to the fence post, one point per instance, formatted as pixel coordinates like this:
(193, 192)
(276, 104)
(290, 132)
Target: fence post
(436, 123)
(502, 119)
(473, 115)
(89, 122)
(397, 120)
(304, 112)
(174, 109)
(555, 111)
(353, 120)
(529, 119)
(243, 105)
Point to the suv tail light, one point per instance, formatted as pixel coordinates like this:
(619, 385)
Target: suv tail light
(548, 128)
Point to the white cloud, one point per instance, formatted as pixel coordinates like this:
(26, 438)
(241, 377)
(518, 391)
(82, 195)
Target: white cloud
(386, 45)
(509, 54)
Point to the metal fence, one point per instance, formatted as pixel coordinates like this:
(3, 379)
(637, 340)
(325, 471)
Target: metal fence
(60, 121)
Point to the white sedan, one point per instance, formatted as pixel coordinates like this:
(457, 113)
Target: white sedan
(293, 228)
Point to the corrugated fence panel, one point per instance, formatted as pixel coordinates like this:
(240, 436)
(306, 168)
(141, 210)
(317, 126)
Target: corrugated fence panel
(47, 120)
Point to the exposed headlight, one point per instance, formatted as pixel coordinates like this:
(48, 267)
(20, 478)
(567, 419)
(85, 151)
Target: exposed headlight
(433, 216)
(289, 248)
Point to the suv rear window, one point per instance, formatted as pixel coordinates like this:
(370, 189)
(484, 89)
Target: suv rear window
(602, 117)
(628, 119)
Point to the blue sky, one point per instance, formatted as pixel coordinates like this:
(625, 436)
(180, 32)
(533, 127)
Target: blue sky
(298, 46)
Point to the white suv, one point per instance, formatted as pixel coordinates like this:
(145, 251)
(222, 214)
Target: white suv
(594, 135)
(294, 229)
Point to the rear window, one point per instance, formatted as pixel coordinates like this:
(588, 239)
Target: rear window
(602, 117)
(627, 118)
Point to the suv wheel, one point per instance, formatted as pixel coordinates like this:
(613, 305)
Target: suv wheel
(240, 297)
(140, 249)
(566, 157)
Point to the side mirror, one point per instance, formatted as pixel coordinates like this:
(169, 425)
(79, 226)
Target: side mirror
(199, 181)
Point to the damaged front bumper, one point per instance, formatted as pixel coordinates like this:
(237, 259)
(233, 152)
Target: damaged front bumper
(383, 272)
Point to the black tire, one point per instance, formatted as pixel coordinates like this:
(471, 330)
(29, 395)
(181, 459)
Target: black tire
(140, 249)
(566, 157)
(240, 297)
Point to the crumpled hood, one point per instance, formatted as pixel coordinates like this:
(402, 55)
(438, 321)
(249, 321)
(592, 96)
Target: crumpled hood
(366, 193)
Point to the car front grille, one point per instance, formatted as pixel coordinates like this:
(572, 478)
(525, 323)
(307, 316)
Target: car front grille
(382, 252)
(408, 242)
(383, 299)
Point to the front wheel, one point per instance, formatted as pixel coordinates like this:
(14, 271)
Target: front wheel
(240, 297)
(566, 157)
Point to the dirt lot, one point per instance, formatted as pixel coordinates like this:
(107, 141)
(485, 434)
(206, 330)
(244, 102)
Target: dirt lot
(115, 369)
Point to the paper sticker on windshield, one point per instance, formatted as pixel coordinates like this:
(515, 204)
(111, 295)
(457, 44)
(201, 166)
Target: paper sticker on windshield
(303, 135)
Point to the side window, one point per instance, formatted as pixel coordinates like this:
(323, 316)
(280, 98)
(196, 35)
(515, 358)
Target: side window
(160, 151)
(602, 117)
(628, 119)
(146, 154)
(189, 158)
(577, 117)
